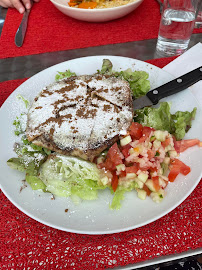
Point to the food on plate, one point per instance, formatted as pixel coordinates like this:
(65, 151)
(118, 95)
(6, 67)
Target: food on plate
(66, 176)
(161, 118)
(80, 116)
(145, 160)
(79, 137)
(91, 4)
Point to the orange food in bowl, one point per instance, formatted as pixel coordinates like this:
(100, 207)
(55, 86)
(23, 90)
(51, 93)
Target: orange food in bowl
(98, 3)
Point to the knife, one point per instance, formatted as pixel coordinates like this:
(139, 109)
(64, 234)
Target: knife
(168, 89)
(20, 34)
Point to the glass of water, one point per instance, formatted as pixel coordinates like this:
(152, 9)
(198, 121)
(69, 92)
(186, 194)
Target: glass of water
(176, 26)
(198, 22)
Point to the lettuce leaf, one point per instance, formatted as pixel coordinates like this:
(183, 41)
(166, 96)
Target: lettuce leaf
(65, 74)
(119, 195)
(182, 122)
(106, 67)
(138, 80)
(35, 182)
(66, 176)
(161, 119)
(26, 102)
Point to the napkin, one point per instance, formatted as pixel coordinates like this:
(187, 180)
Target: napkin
(188, 61)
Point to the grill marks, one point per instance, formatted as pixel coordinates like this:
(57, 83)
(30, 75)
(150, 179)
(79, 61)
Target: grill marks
(80, 116)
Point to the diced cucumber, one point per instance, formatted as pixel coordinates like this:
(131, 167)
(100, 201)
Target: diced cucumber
(143, 177)
(142, 194)
(133, 152)
(100, 160)
(121, 167)
(172, 154)
(160, 135)
(150, 145)
(168, 148)
(164, 167)
(166, 160)
(140, 183)
(157, 144)
(130, 176)
(149, 183)
(162, 183)
(126, 140)
(157, 196)
(104, 180)
(165, 178)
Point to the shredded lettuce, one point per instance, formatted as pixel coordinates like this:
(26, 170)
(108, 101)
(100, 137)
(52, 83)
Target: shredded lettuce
(119, 195)
(65, 74)
(29, 156)
(26, 102)
(66, 176)
(161, 119)
(138, 80)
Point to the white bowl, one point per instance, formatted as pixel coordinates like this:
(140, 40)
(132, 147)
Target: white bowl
(95, 15)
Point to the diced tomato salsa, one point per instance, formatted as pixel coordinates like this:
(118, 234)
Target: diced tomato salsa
(143, 157)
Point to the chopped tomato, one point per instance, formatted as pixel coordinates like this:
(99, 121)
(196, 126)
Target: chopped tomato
(114, 181)
(125, 150)
(153, 169)
(114, 158)
(155, 180)
(122, 174)
(148, 191)
(184, 169)
(132, 169)
(108, 164)
(146, 131)
(181, 146)
(176, 167)
(145, 167)
(176, 144)
(173, 173)
(136, 130)
(166, 142)
(150, 153)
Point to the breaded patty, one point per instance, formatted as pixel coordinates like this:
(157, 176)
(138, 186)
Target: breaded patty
(80, 116)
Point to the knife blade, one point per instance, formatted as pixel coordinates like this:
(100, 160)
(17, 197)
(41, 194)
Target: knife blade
(20, 34)
(168, 89)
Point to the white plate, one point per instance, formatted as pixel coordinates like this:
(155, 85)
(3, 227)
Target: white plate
(95, 15)
(95, 217)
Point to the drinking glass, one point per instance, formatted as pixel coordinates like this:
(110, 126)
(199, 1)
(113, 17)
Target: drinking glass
(198, 22)
(176, 26)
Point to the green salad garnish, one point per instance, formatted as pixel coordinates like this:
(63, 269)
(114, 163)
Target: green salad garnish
(138, 80)
(161, 119)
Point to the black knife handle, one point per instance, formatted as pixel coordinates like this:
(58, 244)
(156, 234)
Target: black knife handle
(175, 86)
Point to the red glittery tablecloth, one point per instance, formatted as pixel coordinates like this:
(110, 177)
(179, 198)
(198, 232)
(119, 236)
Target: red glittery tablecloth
(27, 244)
(50, 30)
